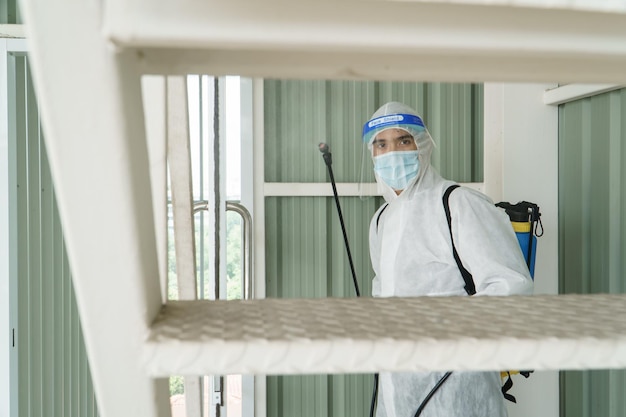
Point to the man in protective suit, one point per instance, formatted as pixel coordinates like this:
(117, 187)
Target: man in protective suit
(411, 254)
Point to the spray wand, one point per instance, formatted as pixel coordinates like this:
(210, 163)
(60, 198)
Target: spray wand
(328, 159)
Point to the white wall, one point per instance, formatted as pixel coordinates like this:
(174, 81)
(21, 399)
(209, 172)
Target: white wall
(529, 131)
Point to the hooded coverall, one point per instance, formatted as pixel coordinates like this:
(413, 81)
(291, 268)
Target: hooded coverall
(411, 254)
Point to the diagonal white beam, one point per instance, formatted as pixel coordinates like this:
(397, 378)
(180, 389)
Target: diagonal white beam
(91, 106)
(153, 89)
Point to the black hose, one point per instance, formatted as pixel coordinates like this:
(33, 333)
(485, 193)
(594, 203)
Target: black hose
(431, 393)
(374, 396)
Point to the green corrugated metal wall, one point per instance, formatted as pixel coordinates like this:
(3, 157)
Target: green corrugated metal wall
(592, 231)
(300, 114)
(53, 372)
(305, 254)
(10, 12)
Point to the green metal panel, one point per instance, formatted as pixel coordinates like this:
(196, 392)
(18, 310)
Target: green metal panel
(453, 114)
(305, 253)
(53, 371)
(592, 232)
(10, 12)
(306, 258)
(300, 114)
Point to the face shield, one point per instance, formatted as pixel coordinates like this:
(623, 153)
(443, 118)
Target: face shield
(396, 148)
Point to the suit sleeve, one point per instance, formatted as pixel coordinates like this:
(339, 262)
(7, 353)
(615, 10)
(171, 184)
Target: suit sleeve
(487, 245)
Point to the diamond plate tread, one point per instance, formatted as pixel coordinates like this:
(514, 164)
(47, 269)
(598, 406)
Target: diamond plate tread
(332, 335)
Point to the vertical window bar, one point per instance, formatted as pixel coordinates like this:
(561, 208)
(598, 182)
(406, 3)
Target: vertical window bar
(201, 179)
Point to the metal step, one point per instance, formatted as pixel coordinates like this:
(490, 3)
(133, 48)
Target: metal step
(307, 336)
(568, 41)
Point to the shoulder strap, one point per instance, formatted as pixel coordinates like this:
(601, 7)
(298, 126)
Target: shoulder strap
(470, 288)
(380, 213)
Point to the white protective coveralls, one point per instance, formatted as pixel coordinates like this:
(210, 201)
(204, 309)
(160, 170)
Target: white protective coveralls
(411, 255)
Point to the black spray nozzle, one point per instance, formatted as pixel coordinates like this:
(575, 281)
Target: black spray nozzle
(325, 150)
(522, 211)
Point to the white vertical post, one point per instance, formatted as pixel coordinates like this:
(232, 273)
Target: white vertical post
(530, 172)
(492, 141)
(8, 260)
(5, 244)
(221, 185)
(530, 168)
(247, 199)
(260, 386)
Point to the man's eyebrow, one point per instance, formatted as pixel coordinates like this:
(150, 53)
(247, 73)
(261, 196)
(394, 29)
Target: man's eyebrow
(407, 136)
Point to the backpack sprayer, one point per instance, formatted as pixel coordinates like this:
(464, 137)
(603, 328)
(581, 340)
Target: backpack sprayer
(525, 218)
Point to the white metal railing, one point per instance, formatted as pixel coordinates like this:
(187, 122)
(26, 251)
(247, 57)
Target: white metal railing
(247, 267)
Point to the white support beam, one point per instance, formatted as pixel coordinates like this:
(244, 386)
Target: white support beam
(609, 6)
(12, 31)
(324, 189)
(91, 109)
(570, 92)
(179, 161)
(354, 39)
(419, 65)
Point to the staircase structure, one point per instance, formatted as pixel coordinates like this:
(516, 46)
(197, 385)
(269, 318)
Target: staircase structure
(88, 58)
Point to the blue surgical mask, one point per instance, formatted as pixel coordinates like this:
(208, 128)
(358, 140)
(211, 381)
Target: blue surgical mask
(397, 169)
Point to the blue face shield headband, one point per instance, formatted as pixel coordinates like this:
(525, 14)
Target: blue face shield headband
(408, 122)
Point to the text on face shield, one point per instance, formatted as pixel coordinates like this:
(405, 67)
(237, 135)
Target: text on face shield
(386, 119)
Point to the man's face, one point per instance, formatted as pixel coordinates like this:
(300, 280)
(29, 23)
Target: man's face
(393, 140)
